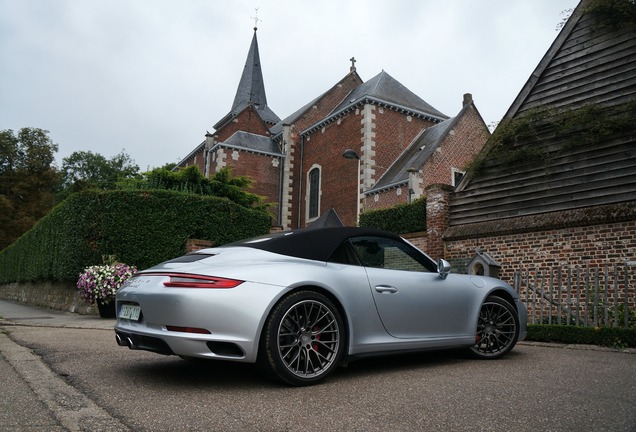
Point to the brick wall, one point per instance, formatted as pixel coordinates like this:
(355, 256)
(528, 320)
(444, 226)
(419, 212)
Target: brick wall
(197, 159)
(593, 245)
(247, 120)
(386, 134)
(295, 214)
(459, 148)
(387, 198)
(394, 131)
(456, 151)
(324, 147)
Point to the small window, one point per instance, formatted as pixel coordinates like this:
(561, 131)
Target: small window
(390, 254)
(457, 176)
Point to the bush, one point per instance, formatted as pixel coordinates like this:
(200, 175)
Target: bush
(603, 336)
(401, 219)
(141, 228)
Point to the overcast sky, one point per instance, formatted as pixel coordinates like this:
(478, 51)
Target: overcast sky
(151, 76)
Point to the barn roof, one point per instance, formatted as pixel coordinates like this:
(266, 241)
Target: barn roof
(567, 141)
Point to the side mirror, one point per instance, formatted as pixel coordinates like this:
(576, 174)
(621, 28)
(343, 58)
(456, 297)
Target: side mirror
(443, 268)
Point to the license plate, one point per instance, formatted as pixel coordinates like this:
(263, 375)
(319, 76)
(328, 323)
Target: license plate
(130, 312)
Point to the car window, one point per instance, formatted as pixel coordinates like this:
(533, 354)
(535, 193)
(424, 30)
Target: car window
(344, 254)
(386, 253)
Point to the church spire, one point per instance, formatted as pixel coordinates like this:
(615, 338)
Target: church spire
(251, 88)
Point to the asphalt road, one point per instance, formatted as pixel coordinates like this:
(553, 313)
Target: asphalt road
(79, 379)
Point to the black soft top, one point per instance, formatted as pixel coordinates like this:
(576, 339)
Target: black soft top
(311, 243)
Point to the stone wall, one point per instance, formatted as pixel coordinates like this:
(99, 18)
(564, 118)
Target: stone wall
(61, 296)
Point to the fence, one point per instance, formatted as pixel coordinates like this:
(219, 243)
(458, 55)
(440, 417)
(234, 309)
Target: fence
(585, 296)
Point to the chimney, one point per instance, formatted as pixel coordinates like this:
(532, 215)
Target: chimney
(209, 140)
(468, 99)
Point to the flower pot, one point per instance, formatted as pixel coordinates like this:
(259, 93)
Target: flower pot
(107, 310)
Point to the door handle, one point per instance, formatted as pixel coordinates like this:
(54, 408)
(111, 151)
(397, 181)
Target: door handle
(385, 289)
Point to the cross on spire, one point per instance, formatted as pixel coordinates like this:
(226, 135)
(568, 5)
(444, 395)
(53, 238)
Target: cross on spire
(256, 19)
(353, 64)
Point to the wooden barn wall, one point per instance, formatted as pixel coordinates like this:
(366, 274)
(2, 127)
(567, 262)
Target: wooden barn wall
(594, 66)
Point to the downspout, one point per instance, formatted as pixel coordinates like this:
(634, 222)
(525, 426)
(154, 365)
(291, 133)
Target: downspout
(280, 184)
(300, 180)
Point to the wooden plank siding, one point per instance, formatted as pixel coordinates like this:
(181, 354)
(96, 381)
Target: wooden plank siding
(592, 66)
(587, 65)
(572, 180)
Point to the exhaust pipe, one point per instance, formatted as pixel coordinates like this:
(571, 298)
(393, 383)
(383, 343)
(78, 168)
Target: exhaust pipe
(130, 343)
(120, 341)
(125, 341)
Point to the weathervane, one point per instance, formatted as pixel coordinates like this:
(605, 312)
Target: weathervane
(256, 20)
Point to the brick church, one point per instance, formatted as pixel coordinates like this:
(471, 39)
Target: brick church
(358, 146)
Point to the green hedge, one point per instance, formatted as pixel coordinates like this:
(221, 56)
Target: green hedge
(140, 228)
(602, 336)
(401, 219)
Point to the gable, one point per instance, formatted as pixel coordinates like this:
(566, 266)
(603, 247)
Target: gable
(248, 120)
(472, 135)
(321, 106)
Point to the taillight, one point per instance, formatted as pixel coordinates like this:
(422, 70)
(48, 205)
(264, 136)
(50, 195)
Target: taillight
(180, 280)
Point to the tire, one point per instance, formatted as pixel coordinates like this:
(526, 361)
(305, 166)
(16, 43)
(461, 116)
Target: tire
(303, 339)
(497, 329)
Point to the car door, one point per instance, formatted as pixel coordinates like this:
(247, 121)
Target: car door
(411, 299)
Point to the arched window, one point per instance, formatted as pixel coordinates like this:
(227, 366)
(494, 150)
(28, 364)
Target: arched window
(313, 204)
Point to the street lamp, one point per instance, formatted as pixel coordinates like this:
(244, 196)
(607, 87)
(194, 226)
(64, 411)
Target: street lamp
(351, 154)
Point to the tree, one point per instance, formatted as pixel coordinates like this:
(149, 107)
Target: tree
(27, 180)
(87, 170)
(191, 180)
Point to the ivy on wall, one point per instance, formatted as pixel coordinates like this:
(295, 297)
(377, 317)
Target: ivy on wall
(612, 13)
(515, 140)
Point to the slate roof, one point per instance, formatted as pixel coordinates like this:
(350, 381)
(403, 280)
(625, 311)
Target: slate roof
(292, 118)
(251, 89)
(251, 142)
(383, 88)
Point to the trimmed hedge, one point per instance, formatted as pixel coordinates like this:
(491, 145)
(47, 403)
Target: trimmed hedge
(140, 228)
(401, 219)
(602, 336)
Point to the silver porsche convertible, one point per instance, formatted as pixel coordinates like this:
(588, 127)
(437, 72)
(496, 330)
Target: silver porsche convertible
(300, 303)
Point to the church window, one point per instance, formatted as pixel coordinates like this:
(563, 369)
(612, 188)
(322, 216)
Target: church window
(313, 207)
